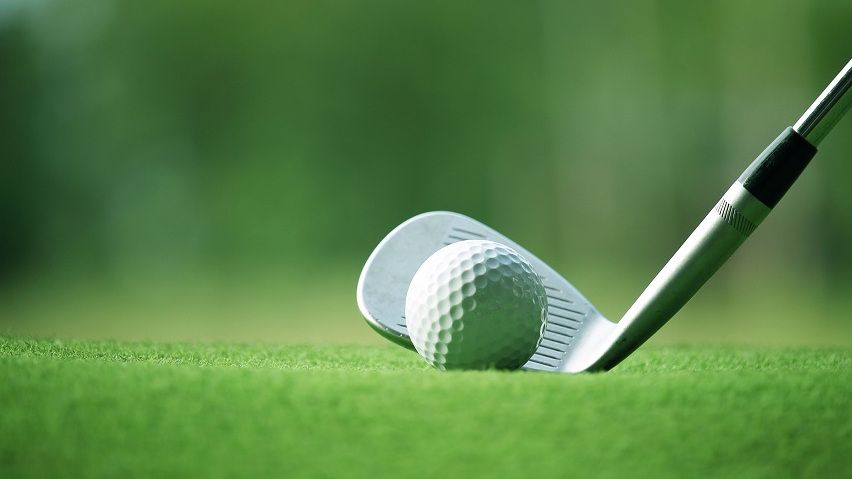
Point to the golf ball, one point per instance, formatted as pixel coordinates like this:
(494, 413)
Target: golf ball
(476, 305)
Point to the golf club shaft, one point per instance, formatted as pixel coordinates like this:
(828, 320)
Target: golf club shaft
(828, 108)
(737, 214)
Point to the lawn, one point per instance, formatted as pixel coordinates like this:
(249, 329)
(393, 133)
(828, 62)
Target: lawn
(111, 409)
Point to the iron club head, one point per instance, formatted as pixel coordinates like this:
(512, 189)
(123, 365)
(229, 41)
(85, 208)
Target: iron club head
(384, 282)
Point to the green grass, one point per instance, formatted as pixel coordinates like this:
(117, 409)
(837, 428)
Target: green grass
(177, 409)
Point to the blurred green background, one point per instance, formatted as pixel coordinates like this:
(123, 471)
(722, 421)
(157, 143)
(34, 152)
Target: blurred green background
(213, 170)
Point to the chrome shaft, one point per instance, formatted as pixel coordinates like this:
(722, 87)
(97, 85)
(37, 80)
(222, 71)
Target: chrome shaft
(827, 109)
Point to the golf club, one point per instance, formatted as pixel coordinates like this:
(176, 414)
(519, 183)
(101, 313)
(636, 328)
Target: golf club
(577, 337)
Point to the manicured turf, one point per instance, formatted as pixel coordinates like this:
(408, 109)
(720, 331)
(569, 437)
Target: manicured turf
(142, 409)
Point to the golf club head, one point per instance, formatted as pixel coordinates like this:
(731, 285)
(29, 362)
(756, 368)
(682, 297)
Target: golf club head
(384, 282)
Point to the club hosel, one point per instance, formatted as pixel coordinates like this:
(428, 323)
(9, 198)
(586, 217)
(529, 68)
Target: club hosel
(734, 217)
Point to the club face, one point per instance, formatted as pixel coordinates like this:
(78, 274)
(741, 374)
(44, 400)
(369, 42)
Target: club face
(387, 274)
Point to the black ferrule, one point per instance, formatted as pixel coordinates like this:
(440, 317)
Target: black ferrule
(772, 173)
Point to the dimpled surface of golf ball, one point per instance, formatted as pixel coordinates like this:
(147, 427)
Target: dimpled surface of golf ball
(476, 305)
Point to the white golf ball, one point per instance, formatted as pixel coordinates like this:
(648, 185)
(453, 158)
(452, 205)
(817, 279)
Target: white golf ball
(476, 305)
